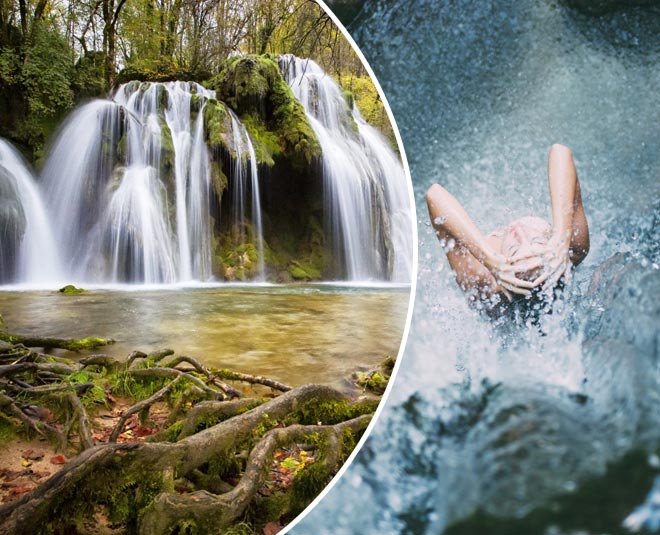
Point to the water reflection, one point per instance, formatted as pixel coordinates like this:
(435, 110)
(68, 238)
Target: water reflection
(295, 334)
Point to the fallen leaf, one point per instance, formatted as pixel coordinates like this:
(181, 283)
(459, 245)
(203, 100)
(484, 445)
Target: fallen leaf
(272, 528)
(21, 489)
(58, 459)
(290, 463)
(143, 431)
(25, 463)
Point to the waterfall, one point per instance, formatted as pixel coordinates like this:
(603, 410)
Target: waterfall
(365, 187)
(27, 247)
(128, 182)
(134, 176)
(243, 143)
(165, 112)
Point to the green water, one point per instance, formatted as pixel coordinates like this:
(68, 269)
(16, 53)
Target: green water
(296, 334)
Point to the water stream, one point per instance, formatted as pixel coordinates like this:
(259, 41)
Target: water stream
(501, 416)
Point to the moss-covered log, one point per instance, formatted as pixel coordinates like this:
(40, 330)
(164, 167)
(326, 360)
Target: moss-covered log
(70, 344)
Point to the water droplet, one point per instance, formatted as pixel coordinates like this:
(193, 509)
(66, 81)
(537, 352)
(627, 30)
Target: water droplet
(439, 220)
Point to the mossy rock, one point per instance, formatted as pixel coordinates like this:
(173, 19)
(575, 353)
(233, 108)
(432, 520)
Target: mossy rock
(217, 127)
(253, 87)
(373, 382)
(70, 289)
(300, 271)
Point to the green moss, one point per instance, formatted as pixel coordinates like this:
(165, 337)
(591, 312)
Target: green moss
(333, 412)
(301, 271)
(217, 125)
(253, 86)
(172, 432)
(70, 289)
(266, 143)
(265, 425)
(91, 342)
(218, 179)
(225, 465)
(374, 382)
(307, 485)
(268, 509)
(237, 261)
(8, 430)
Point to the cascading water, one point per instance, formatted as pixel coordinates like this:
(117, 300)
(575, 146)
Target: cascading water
(502, 416)
(243, 143)
(27, 247)
(360, 173)
(134, 192)
(117, 166)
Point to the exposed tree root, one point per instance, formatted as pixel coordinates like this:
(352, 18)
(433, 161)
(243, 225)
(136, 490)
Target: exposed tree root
(214, 410)
(252, 379)
(142, 405)
(203, 468)
(70, 344)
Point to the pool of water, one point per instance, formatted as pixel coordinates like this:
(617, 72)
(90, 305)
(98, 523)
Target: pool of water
(296, 334)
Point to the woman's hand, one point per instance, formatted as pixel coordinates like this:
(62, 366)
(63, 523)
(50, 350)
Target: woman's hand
(553, 258)
(503, 270)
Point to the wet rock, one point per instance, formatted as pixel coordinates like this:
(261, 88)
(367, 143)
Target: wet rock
(599, 7)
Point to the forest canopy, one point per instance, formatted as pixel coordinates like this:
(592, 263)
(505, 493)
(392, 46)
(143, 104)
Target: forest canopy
(54, 53)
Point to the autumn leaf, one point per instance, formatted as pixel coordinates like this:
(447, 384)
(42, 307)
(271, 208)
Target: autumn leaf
(58, 459)
(290, 463)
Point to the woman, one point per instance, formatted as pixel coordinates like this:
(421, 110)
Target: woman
(529, 253)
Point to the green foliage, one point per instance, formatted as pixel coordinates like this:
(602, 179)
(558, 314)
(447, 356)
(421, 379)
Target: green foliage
(361, 91)
(124, 384)
(46, 74)
(88, 80)
(10, 65)
(240, 529)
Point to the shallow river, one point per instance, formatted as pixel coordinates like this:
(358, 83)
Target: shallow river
(296, 334)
